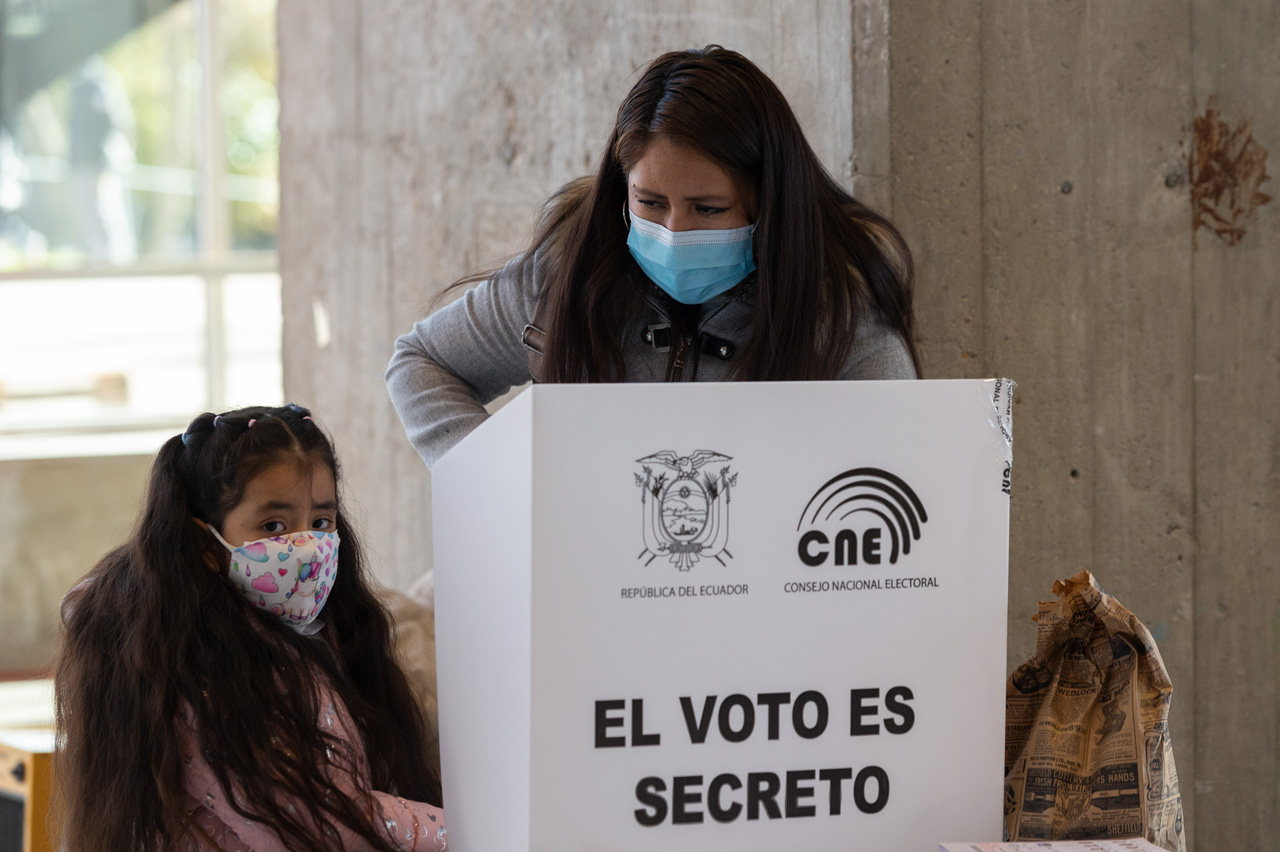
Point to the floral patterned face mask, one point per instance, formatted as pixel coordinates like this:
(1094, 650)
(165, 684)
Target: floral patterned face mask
(288, 575)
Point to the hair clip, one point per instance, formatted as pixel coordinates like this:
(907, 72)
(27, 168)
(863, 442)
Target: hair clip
(186, 438)
(308, 417)
(216, 418)
(251, 422)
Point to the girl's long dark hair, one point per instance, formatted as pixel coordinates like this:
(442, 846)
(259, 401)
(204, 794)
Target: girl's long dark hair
(153, 633)
(823, 258)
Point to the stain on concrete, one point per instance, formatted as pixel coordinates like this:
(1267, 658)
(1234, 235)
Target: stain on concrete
(1227, 167)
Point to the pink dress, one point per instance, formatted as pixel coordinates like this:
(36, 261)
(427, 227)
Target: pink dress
(412, 826)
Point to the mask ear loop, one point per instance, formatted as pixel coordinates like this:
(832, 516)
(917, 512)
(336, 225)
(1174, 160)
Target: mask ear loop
(220, 539)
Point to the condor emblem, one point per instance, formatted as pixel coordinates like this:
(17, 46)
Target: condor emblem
(685, 511)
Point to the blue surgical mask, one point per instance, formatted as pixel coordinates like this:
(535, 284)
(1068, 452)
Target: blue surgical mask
(692, 266)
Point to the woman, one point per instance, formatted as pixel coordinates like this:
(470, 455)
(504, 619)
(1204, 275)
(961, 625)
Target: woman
(710, 245)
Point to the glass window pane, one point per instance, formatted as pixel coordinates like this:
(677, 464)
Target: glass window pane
(252, 321)
(99, 141)
(136, 138)
(101, 352)
(247, 35)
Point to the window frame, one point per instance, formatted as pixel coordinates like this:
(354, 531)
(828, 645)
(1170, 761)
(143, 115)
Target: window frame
(213, 261)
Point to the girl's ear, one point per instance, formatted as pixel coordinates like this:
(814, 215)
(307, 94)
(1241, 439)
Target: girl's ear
(210, 560)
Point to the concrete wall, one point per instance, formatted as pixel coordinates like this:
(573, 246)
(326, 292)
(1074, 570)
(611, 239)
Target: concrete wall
(57, 518)
(1040, 172)
(1036, 156)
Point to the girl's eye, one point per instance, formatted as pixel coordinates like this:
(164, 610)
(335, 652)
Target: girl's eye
(322, 524)
(711, 211)
(273, 527)
(649, 203)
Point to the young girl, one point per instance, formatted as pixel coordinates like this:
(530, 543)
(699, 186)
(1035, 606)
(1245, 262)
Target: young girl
(226, 678)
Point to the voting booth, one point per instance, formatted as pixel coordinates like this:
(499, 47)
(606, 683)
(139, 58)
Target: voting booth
(749, 616)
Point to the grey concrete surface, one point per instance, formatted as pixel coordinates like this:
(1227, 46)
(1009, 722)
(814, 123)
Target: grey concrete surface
(1036, 156)
(1236, 65)
(61, 516)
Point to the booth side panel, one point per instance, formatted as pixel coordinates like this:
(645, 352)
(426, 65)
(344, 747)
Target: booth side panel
(481, 501)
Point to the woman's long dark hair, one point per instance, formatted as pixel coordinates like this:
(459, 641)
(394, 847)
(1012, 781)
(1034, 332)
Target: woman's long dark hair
(153, 633)
(823, 259)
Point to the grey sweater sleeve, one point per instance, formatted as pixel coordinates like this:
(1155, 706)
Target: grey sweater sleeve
(459, 358)
(879, 352)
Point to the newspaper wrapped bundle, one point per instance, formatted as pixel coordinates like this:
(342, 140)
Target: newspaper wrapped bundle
(1087, 749)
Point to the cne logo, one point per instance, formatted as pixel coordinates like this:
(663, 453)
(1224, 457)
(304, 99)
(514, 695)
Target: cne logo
(850, 517)
(685, 511)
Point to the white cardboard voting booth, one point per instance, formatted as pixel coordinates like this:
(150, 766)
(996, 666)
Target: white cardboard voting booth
(725, 616)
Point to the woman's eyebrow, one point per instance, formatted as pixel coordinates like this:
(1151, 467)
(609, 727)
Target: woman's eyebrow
(328, 504)
(641, 189)
(722, 200)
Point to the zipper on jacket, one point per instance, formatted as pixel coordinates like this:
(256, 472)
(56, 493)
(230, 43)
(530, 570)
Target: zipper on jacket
(702, 323)
(680, 347)
(679, 344)
(676, 364)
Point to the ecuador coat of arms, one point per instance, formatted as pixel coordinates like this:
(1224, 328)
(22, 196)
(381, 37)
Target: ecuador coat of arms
(685, 510)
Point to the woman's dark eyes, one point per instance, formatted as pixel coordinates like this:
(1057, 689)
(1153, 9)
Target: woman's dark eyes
(273, 527)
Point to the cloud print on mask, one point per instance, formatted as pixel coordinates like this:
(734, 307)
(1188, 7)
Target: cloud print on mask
(290, 596)
(257, 551)
(265, 583)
